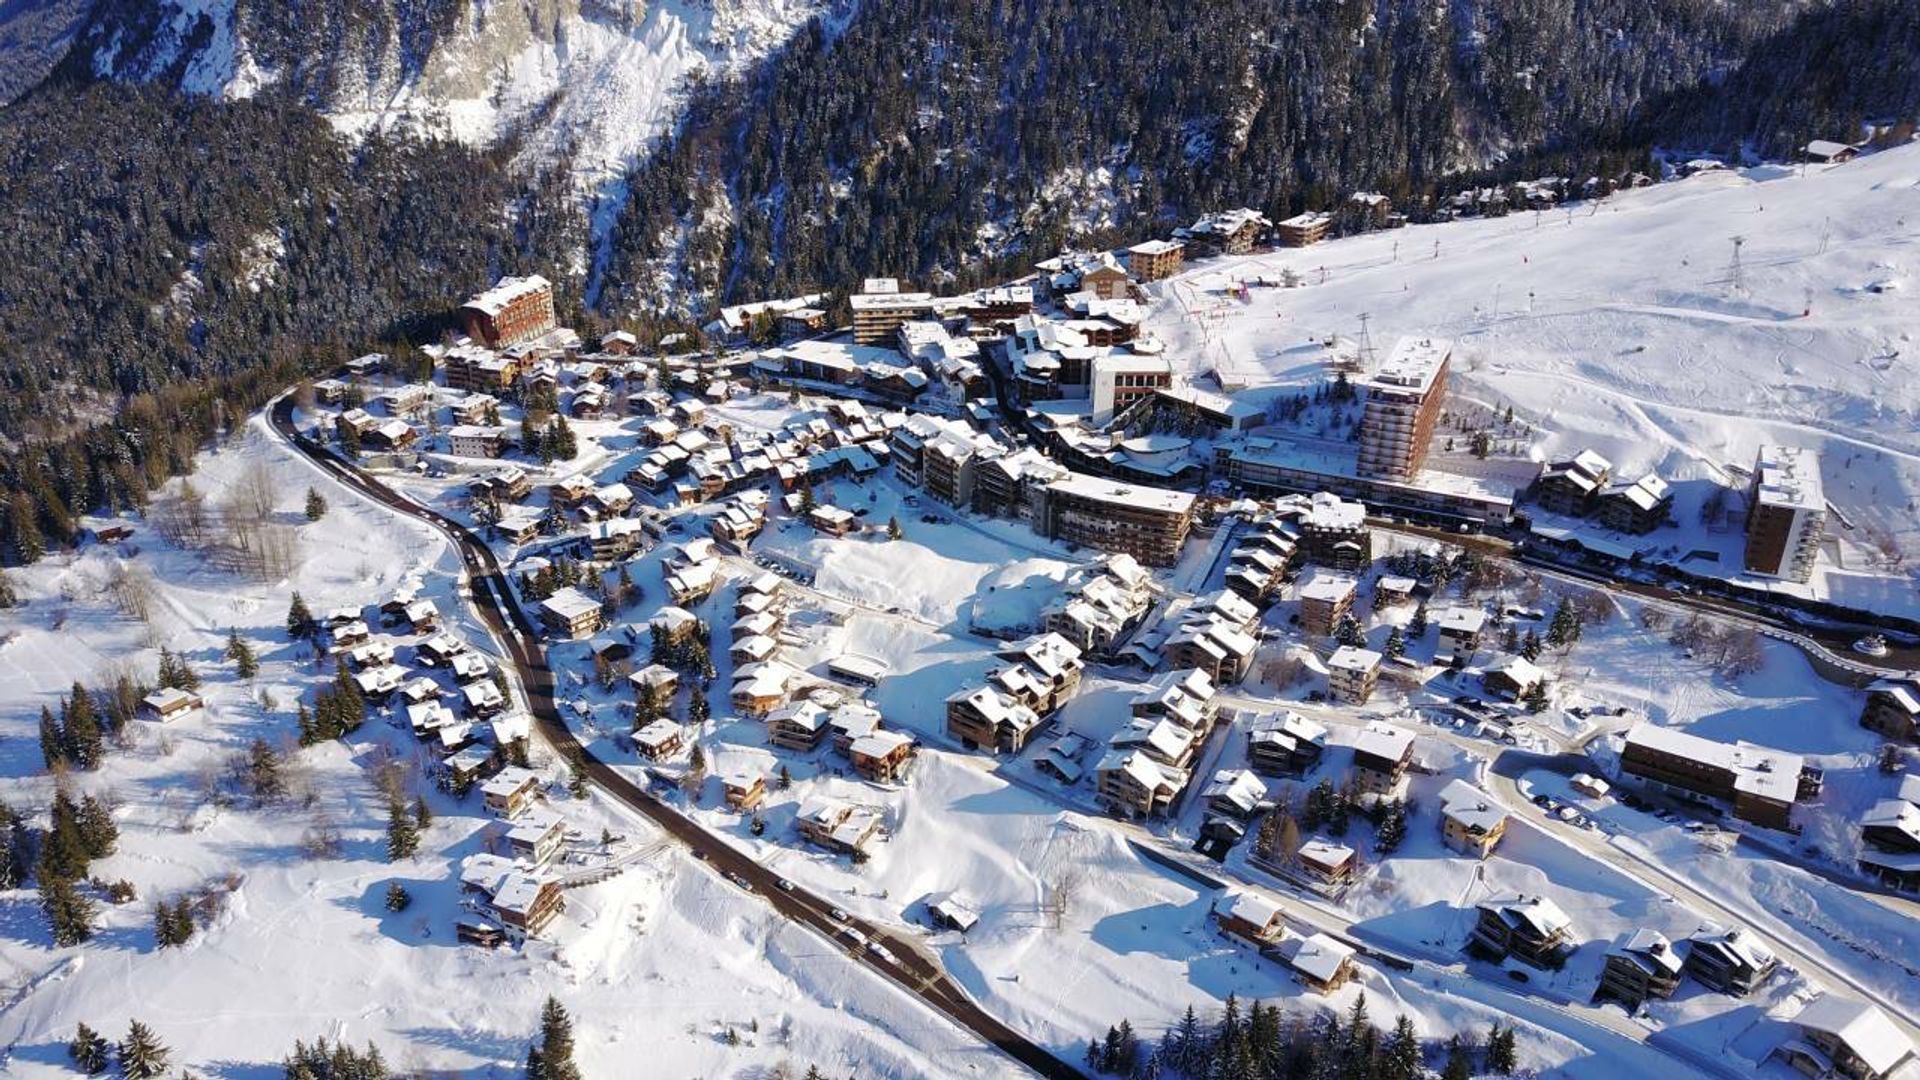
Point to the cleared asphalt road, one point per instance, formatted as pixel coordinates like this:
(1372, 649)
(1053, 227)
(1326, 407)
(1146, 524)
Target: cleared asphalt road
(902, 962)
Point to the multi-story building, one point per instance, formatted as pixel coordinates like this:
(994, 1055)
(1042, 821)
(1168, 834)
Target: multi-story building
(1303, 230)
(1641, 967)
(1148, 523)
(1120, 379)
(1333, 533)
(475, 440)
(1572, 487)
(1284, 744)
(1402, 406)
(1352, 674)
(1786, 513)
(514, 310)
(1230, 232)
(837, 826)
(1637, 508)
(1460, 630)
(1471, 823)
(570, 613)
(1325, 598)
(983, 718)
(1152, 260)
(1731, 961)
(880, 307)
(1531, 929)
(1131, 784)
(1761, 784)
(1381, 754)
(479, 370)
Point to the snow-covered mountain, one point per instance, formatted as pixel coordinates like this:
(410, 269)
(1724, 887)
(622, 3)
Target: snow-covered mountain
(596, 79)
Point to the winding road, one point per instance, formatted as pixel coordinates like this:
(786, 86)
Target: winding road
(901, 961)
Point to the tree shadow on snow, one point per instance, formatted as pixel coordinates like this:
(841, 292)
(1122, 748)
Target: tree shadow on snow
(423, 923)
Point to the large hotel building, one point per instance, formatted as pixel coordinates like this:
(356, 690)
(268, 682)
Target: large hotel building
(1403, 404)
(1787, 513)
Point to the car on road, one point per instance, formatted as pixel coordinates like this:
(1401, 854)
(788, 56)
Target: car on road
(838, 915)
(740, 881)
(785, 885)
(880, 951)
(1542, 801)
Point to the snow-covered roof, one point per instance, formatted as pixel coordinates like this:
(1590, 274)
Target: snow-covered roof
(1539, 913)
(1462, 620)
(879, 744)
(1255, 908)
(1353, 658)
(1412, 364)
(1241, 787)
(1826, 148)
(1327, 587)
(1136, 496)
(1383, 741)
(506, 291)
(1650, 950)
(1470, 806)
(1861, 1027)
(569, 604)
(658, 733)
(1789, 477)
(1330, 511)
(1325, 853)
(1320, 957)
(1757, 770)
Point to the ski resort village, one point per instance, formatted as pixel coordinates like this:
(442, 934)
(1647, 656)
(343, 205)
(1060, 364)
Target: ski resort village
(1473, 648)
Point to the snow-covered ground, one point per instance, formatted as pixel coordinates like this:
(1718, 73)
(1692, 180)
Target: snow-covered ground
(1619, 325)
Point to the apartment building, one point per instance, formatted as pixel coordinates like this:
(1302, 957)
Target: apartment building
(1152, 260)
(1843, 1037)
(1334, 533)
(1643, 966)
(516, 309)
(1381, 754)
(880, 307)
(1731, 961)
(1786, 513)
(1151, 524)
(1284, 743)
(1572, 487)
(1471, 823)
(1530, 929)
(1325, 598)
(1403, 401)
(1304, 230)
(1893, 709)
(1352, 674)
(982, 718)
(1760, 784)
(1131, 784)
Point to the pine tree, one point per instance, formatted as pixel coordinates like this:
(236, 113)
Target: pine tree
(1348, 632)
(164, 934)
(1417, 626)
(1459, 1062)
(53, 748)
(142, 1055)
(316, 505)
(556, 1043)
(783, 779)
(397, 897)
(1396, 645)
(69, 914)
(80, 730)
(300, 622)
(309, 734)
(893, 528)
(403, 839)
(1530, 648)
(422, 813)
(8, 597)
(183, 925)
(1502, 1054)
(88, 1050)
(63, 851)
(263, 773)
(1402, 1060)
(1536, 696)
(98, 834)
(245, 664)
(1510, 641)
(1563, 630)
(28, 543)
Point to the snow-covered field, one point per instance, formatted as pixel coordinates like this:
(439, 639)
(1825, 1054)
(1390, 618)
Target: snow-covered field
(1619, 325)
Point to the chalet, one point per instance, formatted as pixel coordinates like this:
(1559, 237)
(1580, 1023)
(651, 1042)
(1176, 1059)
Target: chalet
(1471, 823)
(1131, 784)
(881, 756)
(752, 648)
(1512, 677)
(659, 740)
(949, 911)
(985, 719)
(536, 836)
(1731, 961)
(570, 613)
(758, 689)
(1352, 674)
(1639, 507)
(1252, 916)
(170, 703)
(483, 699)
(331, 391)
(655, 682)
(1231, 232)
(1327, 863)
(428, 717)
(1184, 696)
(1643, 966)
(1236, 793)
(439, 649)
(570, 491)
(1843, 1037)
(469, 667)
(510, 792)
(689, 585)
(608, 541)
(519, 525)
(1530, 929)
(1304, 230)
(1573, 487)
(526, 905)
(1321, 962)
(837, 826)
(832, 520)
(389, 436)
(1381, 754)
(610, 500)
(475, 409)
(406, 400)
(373, 654)
(744, 790)
(1152, 260)
(589, 402)
(347, 636)
(801, 726)
(1827, 152)
(475, 440)
(1893, 709)
(851, 721)
(1892, 825)
(1222, 650)
(1284, 744)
